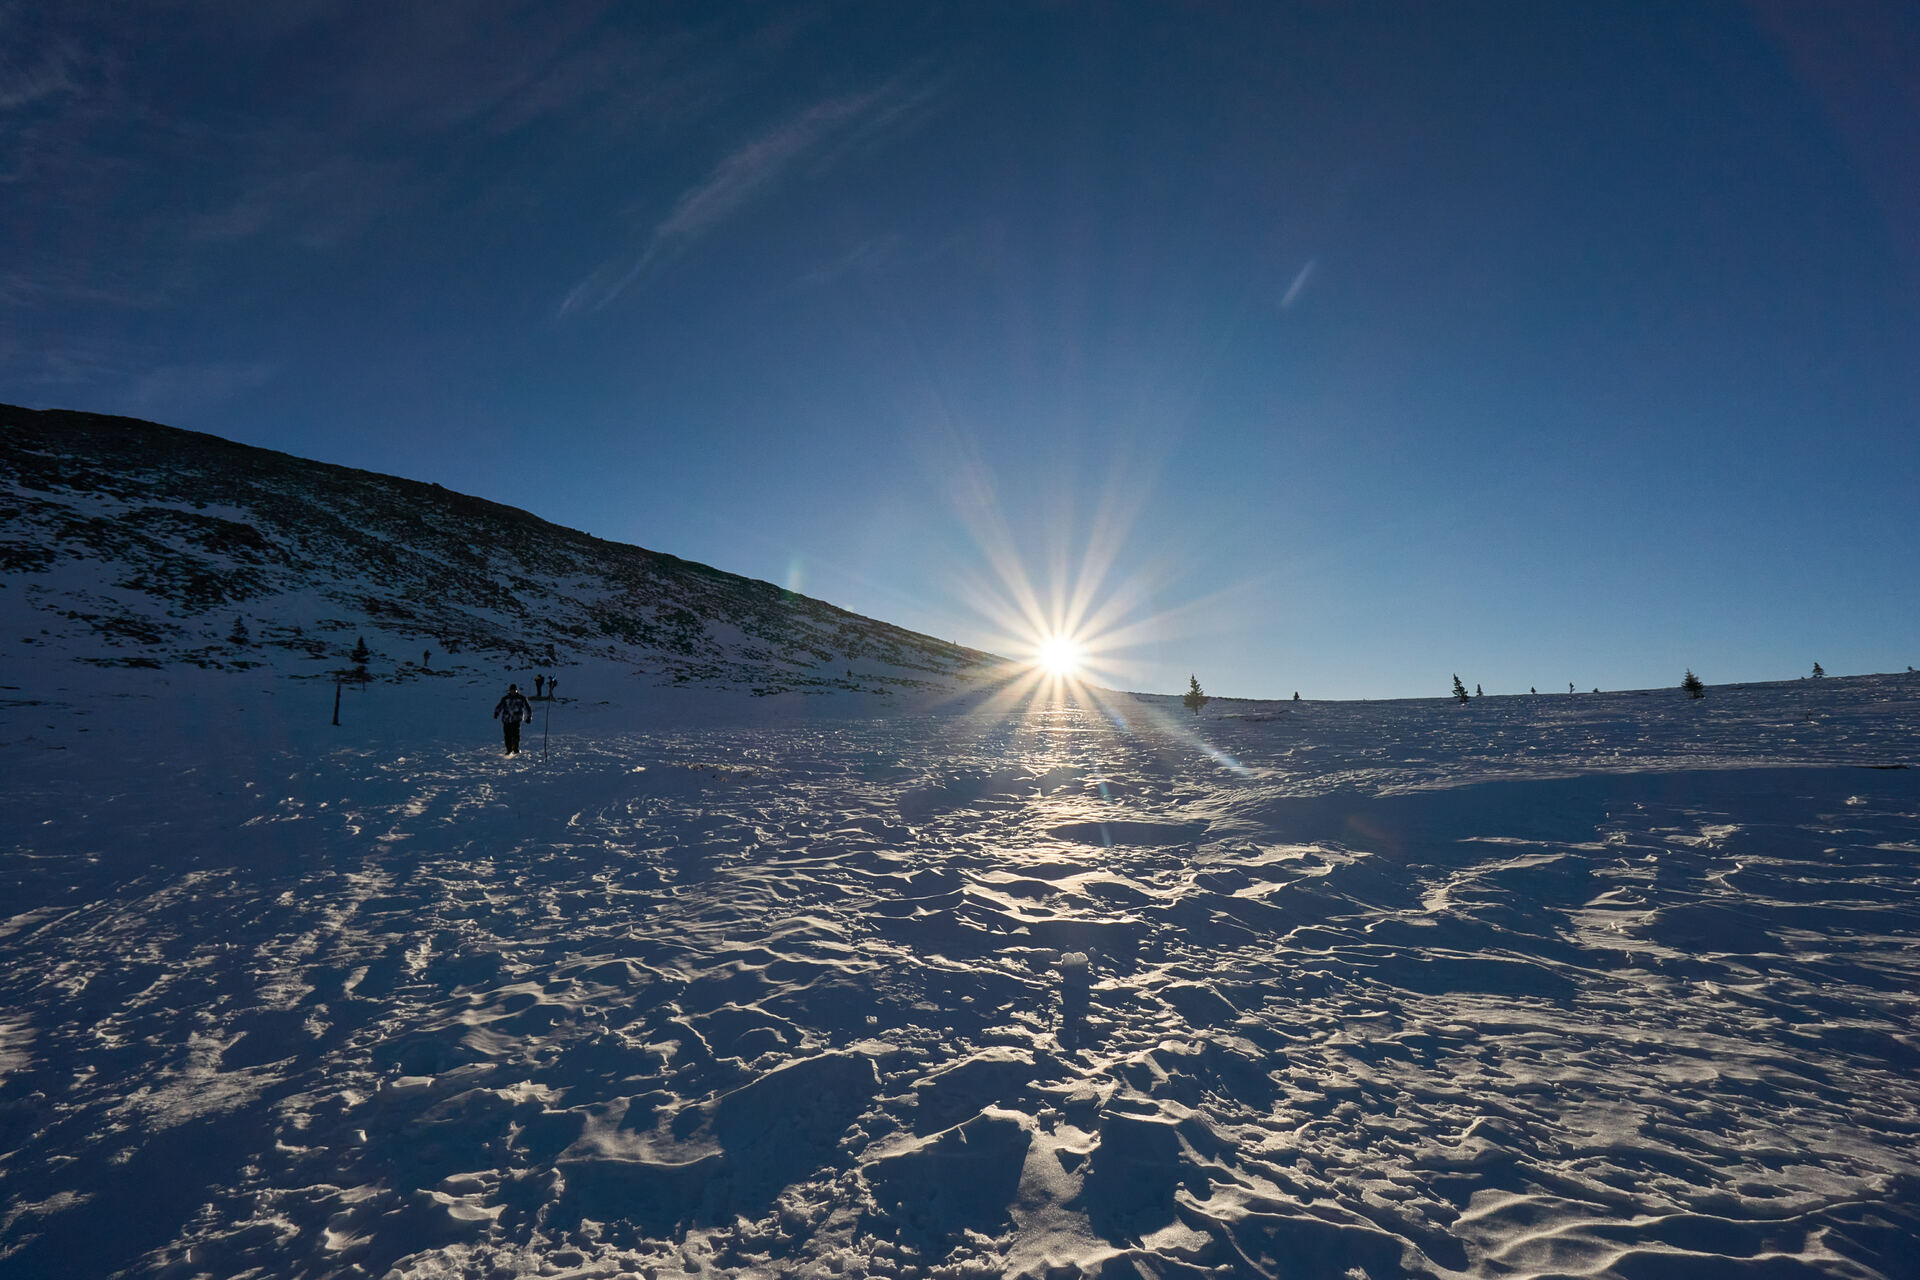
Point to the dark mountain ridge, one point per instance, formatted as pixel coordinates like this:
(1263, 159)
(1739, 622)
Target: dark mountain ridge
(130, 543)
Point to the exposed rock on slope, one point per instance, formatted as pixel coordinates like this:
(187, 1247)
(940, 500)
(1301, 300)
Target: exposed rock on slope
(138, 544)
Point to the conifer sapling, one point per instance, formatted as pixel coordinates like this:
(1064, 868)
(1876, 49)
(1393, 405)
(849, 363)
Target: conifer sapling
(1194, 698)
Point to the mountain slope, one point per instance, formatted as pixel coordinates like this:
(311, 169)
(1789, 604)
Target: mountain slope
(128, 543)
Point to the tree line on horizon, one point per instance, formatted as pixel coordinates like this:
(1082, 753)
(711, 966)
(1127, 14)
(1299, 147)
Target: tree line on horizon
(1195, 698)
(1694, 686)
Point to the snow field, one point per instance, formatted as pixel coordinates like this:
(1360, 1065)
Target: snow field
(1576, 986)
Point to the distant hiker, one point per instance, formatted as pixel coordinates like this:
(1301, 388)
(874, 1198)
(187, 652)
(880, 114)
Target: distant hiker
(426, 659)
(553, 682)
(511, 711)
(539, 683)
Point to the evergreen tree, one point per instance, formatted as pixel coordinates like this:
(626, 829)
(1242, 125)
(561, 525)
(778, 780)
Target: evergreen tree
(239, 634)
(1818, 671)
(1194, 698)
(1693, 686)
(1296, 692)
(1459, 690)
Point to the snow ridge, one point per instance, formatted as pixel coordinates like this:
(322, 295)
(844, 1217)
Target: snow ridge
(136, 544)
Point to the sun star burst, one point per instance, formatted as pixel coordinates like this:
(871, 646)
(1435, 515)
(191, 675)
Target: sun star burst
(1060, 656)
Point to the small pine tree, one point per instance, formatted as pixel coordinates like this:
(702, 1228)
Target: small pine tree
(1818, 671)
(1296, 692)
(239, 634)
(1194, 698)
(1459, 690)
(1693, 686)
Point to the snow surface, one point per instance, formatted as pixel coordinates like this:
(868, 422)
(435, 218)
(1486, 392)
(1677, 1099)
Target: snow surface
(1617, 984)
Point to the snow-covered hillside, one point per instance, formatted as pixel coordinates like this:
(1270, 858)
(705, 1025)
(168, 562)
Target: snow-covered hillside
(1609, 985)
(133, 544)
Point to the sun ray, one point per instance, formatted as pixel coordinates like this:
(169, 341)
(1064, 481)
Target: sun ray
(1077, 614)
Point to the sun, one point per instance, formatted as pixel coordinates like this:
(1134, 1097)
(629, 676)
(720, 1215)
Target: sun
(1060, 656)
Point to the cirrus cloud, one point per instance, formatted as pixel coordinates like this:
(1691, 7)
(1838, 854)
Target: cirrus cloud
(816, 134)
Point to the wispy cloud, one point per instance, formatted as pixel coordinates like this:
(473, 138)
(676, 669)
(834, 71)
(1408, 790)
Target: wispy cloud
(52, 365)
(178, 391)
(819, 133)
(119, 374)
(150, 195)
(867, 256)
(41, 280)
(315, 206)
(50, 74)
(1299, 285)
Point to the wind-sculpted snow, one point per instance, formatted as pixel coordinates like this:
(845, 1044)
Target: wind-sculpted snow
(786, 998)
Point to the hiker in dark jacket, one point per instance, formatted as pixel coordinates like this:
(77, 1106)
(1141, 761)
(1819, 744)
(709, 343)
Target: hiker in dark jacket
(510, 711)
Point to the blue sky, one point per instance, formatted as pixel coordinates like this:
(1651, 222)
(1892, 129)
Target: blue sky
(1318, 347)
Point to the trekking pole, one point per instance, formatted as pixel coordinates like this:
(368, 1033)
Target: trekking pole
(546, 725)
(336, 701)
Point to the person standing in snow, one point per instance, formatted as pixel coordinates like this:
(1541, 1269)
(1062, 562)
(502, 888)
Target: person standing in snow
(537, 682)
(511, 711)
